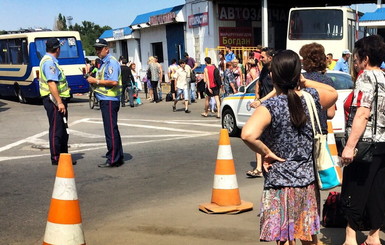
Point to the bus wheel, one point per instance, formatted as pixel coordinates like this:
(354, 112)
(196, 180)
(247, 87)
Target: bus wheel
(20, 95)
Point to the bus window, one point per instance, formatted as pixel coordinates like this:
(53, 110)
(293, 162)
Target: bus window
(68, 47)
(327, 26)
(18, 51)
(4, 57)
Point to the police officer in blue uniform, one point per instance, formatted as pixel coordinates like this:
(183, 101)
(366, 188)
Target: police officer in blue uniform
(54, 91)
(107, 84)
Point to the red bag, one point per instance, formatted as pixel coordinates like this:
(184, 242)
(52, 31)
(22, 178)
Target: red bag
(332, 214)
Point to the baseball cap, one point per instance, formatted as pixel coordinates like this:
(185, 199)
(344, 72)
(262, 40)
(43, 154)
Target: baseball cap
(52, 43)
(100, 42)
(346, 51)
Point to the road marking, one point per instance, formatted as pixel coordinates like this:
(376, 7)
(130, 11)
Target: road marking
(29, 139)
(150, 138)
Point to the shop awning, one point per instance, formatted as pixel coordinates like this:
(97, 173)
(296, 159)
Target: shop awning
(116, 34)
(159, 17)
(374, 19)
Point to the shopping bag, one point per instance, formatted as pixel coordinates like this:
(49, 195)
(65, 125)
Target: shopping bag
(327, 172)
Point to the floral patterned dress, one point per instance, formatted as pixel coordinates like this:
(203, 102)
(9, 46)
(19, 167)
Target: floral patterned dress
(290, 199)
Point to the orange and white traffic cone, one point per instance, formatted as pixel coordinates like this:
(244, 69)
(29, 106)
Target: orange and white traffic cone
(333, 150)
(225, 194)
(64, 223)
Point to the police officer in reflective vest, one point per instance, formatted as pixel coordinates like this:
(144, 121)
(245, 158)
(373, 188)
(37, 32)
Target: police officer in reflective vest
(54, 91)
(108, 88)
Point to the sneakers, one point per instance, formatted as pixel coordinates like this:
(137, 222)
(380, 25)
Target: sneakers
(174, 108)
(187, 111)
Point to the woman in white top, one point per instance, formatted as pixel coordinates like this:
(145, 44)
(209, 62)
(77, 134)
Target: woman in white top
(138, 83)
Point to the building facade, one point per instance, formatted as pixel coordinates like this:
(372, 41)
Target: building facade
(193, 27)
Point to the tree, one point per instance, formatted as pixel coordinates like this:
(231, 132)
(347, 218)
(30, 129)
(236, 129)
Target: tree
(61, 23)
(89, 32)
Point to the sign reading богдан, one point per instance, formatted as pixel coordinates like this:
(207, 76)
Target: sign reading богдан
(235, 36)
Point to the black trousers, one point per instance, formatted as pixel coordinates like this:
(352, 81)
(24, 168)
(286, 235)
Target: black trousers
(110, 111)
(363, 194)
(123, 95)
(58, 137)
(154, 85)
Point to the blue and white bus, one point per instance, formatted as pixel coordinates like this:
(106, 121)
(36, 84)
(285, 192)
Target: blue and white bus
(20, 55)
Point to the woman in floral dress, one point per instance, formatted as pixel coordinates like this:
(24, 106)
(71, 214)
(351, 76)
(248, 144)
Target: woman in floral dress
(280, 130)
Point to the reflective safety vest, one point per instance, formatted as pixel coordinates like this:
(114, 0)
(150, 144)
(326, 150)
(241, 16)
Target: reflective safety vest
(62, 86)
(108, 91)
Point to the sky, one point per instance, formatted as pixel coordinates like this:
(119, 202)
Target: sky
(16, 14)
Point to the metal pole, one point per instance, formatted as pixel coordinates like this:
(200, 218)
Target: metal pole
(265, 24)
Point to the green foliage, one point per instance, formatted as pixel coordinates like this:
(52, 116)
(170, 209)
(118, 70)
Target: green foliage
(61, 23)
(89, 32)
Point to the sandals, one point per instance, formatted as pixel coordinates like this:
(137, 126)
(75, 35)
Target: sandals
(254, 173)
(204, 114)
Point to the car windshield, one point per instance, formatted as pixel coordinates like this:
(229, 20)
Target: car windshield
(251, 88)
(341, 80)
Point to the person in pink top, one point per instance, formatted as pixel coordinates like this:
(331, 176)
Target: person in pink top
(253, 73)
(211, 78)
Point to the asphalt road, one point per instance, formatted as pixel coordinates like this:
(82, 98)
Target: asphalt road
(152, 199)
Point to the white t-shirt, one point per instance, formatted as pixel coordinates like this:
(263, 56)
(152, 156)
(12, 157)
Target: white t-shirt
(181, 78)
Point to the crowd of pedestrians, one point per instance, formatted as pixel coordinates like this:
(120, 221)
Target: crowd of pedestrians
(279, 131)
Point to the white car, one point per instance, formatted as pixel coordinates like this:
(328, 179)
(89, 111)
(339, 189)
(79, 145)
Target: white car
(236, 108)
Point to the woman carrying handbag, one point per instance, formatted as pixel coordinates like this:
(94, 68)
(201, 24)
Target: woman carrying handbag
(280, 130)
(363, 190)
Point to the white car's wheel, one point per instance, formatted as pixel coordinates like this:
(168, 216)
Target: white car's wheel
(229, 122)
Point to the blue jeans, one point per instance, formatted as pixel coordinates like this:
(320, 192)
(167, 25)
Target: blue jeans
(192, 91)
(131, 95)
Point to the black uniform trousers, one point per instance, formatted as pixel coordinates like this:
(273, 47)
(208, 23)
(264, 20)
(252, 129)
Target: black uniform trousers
(58, 137)
(363, 194)
(110, 111)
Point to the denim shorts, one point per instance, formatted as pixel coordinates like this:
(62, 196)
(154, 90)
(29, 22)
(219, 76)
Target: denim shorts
(180, 91)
